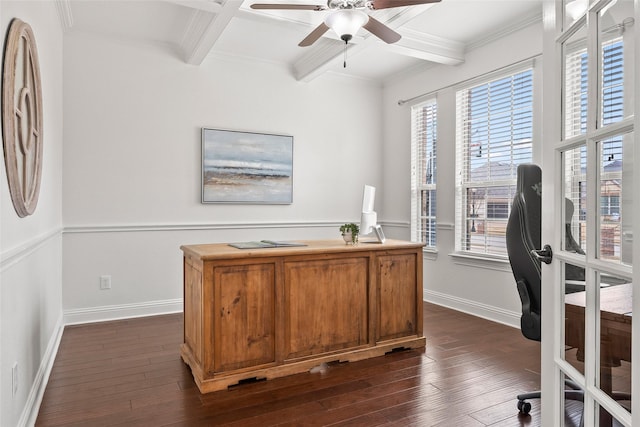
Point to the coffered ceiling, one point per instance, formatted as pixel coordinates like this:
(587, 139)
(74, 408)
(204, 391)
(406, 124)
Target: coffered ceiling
(439, 33)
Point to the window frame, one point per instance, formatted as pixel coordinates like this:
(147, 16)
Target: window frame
(494, 250)
(420, 142)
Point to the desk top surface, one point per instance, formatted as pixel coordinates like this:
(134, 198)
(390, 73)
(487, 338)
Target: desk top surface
(613, 299)
(224, 251)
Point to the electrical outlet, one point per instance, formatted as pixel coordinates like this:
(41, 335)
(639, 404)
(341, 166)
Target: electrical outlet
(105, 282)
(14, 378)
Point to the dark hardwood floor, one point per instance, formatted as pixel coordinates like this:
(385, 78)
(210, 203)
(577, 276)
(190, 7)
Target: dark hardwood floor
(129, 373)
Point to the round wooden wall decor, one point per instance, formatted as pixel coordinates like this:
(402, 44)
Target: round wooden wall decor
(22, 117)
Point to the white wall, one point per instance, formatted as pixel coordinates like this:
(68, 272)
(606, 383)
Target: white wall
(31, 248)
(132, 153)
(487, 290)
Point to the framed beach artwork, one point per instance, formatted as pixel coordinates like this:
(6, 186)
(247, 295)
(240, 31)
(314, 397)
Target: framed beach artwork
(246, 167)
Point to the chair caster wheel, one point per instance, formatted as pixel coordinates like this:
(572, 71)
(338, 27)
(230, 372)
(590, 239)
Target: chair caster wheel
(524, 407)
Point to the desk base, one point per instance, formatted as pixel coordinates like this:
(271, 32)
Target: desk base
(224, 380)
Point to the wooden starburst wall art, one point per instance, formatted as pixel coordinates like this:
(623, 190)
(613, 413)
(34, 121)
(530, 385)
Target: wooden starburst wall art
(22, 117)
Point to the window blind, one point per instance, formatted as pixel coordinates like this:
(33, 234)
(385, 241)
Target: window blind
(575, 98)
(423, 179)
(610, 110)
(494, 131)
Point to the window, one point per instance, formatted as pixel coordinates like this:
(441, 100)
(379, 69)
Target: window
(610, 205)
(423, 166)
(494, 131)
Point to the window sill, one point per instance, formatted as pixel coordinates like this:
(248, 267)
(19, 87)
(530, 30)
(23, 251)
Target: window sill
(482, 261)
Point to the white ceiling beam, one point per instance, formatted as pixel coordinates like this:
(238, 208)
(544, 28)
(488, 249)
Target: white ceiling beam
(427, 47)
(318, 59)
(205, 30)
(320, 56)
(64, 13)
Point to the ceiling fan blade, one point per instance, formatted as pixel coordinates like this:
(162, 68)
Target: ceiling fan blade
(381, 31)
(386, 4)
(275, 6)
(314, 35)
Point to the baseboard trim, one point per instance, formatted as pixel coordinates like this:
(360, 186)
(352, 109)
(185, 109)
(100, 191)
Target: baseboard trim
(32, 406)
(122, 311)
(474, 308)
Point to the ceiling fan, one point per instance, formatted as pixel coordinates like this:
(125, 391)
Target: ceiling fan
(347, 17)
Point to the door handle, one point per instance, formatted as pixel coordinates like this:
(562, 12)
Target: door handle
(545, 254)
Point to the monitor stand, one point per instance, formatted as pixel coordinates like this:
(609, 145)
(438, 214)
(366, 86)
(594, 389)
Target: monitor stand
(379, 235)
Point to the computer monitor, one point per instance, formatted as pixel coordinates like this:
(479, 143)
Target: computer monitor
(369, 218)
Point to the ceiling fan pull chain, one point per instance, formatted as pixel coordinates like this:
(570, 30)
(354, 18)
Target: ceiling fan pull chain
(344, 65)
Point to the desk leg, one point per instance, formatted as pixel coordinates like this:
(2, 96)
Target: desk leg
(606, 385)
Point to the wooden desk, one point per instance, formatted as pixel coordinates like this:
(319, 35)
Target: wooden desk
(615, 322)
(615, 333)
(266, 313)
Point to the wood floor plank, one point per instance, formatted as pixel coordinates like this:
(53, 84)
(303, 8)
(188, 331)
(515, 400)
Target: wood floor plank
(129, 373)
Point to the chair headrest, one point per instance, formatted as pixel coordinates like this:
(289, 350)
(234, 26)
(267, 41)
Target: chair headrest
(530, 180)
(530, 191)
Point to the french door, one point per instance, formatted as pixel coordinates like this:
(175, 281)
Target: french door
(590, 344)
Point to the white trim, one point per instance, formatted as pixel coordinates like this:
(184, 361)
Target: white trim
(474, 308)
(111, 228)
(122, 311)
(32, 405)
(445, 226)
(129, 228)
(15, 255)
(507, 30)
(398, 224)
(482, 261)
(429, 254)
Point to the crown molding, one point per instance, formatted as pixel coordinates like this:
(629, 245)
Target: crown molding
(533, 18)
(64, 14)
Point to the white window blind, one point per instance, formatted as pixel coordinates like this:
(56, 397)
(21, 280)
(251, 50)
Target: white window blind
(611, 110)
(423, 177)
(575, 98)
(494, 131)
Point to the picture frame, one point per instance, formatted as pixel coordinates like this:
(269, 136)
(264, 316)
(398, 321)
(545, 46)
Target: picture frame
(246, 167)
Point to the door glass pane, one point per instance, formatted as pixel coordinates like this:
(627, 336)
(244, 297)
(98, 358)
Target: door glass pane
(573, 407)
(615, 35)
(605, 419)
(574, 52)
(615, 338)
(575, 194)
(615, 214)
(574, 314)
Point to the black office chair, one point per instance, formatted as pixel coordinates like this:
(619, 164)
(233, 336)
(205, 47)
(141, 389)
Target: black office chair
(523, 236)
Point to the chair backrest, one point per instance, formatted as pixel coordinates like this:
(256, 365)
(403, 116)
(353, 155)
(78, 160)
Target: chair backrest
(523, 235)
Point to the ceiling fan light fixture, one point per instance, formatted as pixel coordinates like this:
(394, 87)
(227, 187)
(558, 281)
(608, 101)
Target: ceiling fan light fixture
(346, 22)
(576, 8)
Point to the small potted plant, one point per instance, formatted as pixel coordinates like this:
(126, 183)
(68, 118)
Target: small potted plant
(350, 233)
